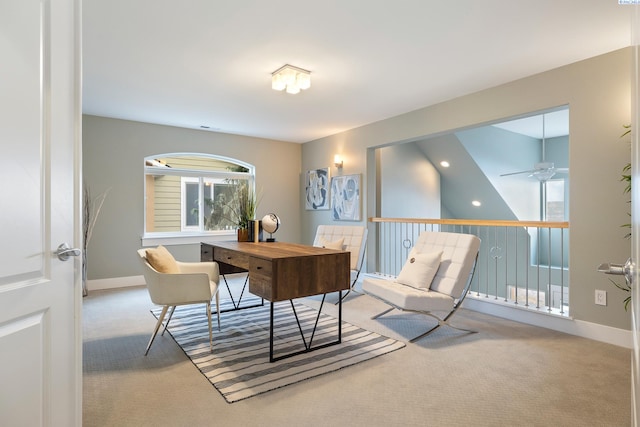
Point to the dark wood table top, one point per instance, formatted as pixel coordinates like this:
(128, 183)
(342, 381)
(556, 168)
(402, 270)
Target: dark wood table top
(273, 250)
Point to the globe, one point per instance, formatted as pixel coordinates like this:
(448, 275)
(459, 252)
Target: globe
(270, 224)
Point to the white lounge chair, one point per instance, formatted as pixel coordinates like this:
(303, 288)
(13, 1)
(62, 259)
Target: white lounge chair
(435, 278)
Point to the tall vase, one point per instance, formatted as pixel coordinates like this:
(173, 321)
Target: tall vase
(255, 227)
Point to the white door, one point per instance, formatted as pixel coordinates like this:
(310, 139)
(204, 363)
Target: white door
(40, 295)
(635, 215)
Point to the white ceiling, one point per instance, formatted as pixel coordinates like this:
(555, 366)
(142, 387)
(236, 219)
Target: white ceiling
(194, 63)
(546, 125)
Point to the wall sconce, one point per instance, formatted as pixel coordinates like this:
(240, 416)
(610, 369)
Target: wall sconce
(337, 161)
(290, 78)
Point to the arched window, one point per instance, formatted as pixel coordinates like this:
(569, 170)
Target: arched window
(190, 195)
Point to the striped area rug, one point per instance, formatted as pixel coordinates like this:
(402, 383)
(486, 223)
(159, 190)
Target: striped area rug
(239, 366)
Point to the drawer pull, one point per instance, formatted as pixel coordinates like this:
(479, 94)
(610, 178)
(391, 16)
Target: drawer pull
(259, 268)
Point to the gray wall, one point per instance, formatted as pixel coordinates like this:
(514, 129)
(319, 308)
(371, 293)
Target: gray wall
(498, 151)
(597, 91)
(113, 153)
(410, 185)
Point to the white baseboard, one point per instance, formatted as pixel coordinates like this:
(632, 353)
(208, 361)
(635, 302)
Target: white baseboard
(594, 331)
(115, 282)
(580, 328)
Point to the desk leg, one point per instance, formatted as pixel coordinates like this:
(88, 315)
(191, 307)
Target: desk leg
(307, 347)
(271, 359)
(340, 316)
(236, 306)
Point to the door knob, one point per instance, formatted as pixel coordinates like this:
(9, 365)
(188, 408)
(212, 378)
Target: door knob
(64, 252)
(618, 269)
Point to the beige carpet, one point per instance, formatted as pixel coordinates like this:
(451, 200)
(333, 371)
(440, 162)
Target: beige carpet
(508, 374)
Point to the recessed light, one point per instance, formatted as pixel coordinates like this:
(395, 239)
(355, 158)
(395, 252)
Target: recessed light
(444, 164)
(476, 203)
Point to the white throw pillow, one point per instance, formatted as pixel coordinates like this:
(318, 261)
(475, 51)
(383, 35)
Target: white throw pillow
(420, 269)
(337, 245)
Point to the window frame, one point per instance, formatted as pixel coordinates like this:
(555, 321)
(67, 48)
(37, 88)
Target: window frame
(560, 182)
(190, 235)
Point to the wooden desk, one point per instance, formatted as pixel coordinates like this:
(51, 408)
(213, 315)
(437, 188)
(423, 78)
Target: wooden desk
(281, 271)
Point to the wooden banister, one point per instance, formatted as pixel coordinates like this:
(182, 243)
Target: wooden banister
(475, 222)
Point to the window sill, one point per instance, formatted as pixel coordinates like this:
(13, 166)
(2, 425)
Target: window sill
(170, 239)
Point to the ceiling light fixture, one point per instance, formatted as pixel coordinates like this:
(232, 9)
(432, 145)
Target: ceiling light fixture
(291, 78)
(444, 164)
(476, 203)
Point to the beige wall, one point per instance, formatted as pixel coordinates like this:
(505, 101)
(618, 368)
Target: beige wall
(113, 158)
(598, 94)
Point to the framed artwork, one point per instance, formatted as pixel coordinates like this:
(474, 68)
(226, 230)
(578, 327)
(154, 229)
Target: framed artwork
(345, 198)
(317, 189)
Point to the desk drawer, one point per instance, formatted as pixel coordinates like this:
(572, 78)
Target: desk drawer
(260, 285)
(234, 258)
(206, 253)
(260, 277)
(260, 266)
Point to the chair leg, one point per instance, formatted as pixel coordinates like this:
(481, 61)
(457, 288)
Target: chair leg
(343, 297)
(209, 321)
(166, 325)
(155, 331)
(441, 323)
(426, 333)
(383, 313)
(218, 308)
(351, 289)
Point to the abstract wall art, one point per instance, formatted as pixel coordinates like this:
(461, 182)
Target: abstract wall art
(345, 198)
(317, 189)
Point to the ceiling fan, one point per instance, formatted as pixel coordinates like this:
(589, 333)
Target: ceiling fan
(543, 170)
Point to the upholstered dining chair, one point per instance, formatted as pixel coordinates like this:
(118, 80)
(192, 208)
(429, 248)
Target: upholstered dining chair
(434, 279)
(172, 283)
(352, 238)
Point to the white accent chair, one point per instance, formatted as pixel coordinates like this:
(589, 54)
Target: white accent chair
(354, 240)
(444, 291)
(193, 283)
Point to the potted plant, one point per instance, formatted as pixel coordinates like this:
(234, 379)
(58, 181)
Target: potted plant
(244, 210)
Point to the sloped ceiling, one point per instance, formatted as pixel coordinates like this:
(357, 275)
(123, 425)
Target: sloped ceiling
(479, 157)
(463, 181)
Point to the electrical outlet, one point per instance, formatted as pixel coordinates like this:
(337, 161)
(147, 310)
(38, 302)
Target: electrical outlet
(601, 297)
